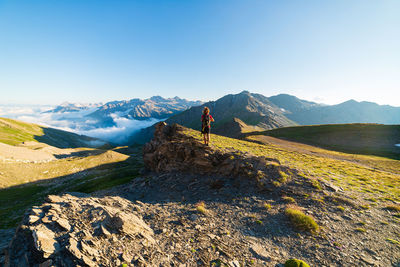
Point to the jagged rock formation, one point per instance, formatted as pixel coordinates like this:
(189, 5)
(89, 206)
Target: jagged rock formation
(75, 230)
(172, 150)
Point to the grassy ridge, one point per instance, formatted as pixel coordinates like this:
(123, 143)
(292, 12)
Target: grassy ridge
(360, 179)
(370, 139)
(13, 132)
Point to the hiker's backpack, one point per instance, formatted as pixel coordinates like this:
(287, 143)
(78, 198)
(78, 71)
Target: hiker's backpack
(206, 121)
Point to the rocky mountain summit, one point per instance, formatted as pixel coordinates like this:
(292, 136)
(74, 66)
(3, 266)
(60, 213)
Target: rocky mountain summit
(73, 107)
(208, 206)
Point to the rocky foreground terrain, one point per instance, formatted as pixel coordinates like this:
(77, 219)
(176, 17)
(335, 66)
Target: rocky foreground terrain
(203, 206)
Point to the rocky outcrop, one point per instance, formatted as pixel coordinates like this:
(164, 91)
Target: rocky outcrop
(173, 150)
(74, 230)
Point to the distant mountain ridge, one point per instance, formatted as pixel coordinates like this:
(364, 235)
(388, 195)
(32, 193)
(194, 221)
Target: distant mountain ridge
(236, 114)
(154, 107)
(72, 107)
(347, 112)
(292, 104)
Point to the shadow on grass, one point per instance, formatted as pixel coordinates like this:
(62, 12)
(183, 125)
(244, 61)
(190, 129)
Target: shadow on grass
(63, 139)
(80, 154)
(362, 139)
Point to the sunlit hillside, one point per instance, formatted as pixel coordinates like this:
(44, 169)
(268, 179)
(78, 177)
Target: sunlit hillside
(372, 178)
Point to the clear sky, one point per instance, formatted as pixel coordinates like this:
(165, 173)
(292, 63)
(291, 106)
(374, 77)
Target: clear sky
(98, 51)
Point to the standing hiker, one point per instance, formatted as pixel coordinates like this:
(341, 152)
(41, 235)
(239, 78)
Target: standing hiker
(206, 120)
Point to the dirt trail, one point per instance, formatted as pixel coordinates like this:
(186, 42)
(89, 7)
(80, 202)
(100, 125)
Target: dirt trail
(25, 153)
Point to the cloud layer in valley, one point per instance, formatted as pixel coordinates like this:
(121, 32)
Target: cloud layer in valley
(118, 128)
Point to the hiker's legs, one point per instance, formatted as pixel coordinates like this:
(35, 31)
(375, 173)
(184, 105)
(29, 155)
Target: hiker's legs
(205, 138)
(208, 138)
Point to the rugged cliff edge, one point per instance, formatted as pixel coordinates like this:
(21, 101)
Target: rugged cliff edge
(206, 206)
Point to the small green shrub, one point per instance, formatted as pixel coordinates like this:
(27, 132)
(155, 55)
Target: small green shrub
(283, 177)
(289, 199)
(276, 183)
(296, 263)
(201, 207)
(361, 230)
(315, 183)
(393, 208)
(393, 241)
(302, 221)
(365, 207)
(267, 206)
(341, 208)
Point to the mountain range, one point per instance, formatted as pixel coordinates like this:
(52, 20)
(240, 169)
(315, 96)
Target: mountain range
(234, 114)
(72, 107)
(122, 205)
(240, 110)
(139, 109)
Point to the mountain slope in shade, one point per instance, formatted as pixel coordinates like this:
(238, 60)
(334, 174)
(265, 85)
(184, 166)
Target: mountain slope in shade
(251, 109)
(292, 104)
(357, 138)
(347, 112)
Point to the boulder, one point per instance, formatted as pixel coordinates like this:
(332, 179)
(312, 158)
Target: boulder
(172, 150)
(79, 231)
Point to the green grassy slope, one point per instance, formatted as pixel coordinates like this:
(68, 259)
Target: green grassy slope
(13, 132)
(357, 176)
(370, 139)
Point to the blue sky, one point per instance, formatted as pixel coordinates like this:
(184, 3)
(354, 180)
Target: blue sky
(98, 51)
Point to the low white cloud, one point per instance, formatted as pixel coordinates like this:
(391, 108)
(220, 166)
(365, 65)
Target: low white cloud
(118, 129)
(121, 132)
(11, 111)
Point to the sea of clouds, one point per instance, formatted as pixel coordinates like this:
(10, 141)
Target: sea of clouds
(118, 131)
